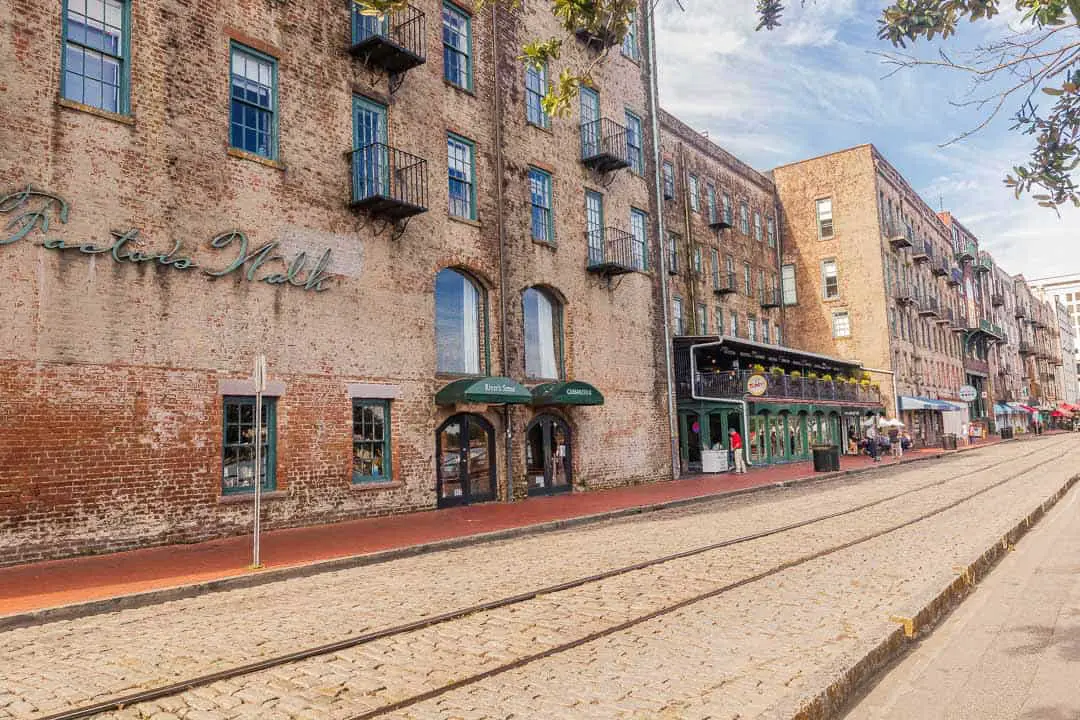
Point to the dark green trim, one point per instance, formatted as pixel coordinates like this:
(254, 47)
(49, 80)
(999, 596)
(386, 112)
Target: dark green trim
(458, 10)
(274, 110)
(388, 468)
(472, 172)
(270, 461)
(125, 58)
(490, 390)
(573, 392)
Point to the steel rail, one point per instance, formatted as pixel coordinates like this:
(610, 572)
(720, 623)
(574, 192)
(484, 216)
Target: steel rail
(118, 703)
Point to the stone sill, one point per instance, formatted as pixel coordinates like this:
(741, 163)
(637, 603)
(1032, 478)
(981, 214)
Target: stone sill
(91, 110)
(464, 221)
(252, 157)
(374, 486)
(249, 498)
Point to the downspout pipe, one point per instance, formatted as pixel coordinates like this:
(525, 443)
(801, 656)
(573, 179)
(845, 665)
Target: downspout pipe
(500, 223)
(694, 395)
(654, 113)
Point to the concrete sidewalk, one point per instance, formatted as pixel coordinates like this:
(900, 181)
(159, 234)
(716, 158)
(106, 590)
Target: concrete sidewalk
(160, 573)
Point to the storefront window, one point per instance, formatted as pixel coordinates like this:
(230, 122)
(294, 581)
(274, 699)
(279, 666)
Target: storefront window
(458, 324)
(543, 335)
(371, 441)
(758, 431)
(238, 446)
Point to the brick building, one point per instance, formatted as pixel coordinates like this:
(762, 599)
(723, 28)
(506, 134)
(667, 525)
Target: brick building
(455, 294)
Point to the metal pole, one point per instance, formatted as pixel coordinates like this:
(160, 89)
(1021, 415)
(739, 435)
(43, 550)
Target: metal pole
(260, 387)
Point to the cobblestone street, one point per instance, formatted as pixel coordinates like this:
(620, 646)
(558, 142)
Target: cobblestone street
(755, 628)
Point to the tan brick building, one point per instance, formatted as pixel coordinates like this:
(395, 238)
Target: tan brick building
(444, 282)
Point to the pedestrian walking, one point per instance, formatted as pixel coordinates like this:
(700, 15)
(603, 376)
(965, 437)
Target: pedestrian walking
(737, 448)
(894, 443)
(872, 442)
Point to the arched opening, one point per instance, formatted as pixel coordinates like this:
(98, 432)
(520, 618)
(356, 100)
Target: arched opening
(460, 324)
(548, 455)
(543, 315)
(465, 452)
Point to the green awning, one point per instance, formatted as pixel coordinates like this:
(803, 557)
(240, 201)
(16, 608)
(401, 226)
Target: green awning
(566, 393)
(489, 390)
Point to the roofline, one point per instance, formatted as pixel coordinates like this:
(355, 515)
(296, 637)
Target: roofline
(828, 154)
(718, 340)
(686, 133)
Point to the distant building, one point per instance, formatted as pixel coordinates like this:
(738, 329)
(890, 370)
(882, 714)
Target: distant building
(1066, 290)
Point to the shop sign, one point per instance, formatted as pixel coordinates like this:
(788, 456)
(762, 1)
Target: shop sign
(32, 208)
(756, 385)
(968, 393)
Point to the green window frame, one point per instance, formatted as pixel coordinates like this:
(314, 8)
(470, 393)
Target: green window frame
(715, 267)
(461, 176)
(748, 279)
(669, 180)
(639, 224)
(726, 202)
(536, 87)
(630, 39)
(710, 198)
(703, 319)
(633, 143)
(540, 327)
(771, 230)
(253, 117)
(751, 328)
(692, 190)
(757, 226)
(673, 251)
(238, 446)
(744, 218)
(372, 461)
(541, 217)
(677, 312)
(457, 46)
(95, 57)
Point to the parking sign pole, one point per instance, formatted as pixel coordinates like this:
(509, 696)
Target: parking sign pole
(259, 378)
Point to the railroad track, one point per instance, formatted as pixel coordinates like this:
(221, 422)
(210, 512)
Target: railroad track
(164, 691)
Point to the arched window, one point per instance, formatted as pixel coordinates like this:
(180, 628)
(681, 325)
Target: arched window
(543, 335)
(459, 324)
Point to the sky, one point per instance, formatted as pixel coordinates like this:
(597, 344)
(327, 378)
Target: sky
(813, 86)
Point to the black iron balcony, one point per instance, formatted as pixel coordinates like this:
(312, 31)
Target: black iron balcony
(770, 298)
(1027, 347)
(613, 251)
(984, 264)
(600, 34)
(959, 322)
(1020, 312)
(732, 384)
(940, 267)
(388, 182)
(923, 251)
(956, 277)
(944, 316)
(968, 251)
(997, 299)
(604, 145)
(721, 220)
(726, 284)
(899, 236)
(905, 295)
(394, 42)
(928, 306)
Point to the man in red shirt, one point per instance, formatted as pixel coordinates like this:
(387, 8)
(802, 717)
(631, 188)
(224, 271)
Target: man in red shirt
(736, 447)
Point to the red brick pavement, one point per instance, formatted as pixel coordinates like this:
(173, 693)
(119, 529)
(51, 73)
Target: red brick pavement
(61, 582)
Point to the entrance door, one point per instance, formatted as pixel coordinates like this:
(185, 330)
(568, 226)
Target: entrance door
(465, 450)
(547, 456)
(371, 164)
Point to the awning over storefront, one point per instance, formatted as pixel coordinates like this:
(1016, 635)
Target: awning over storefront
(1025, 408)
(490, 390)
(574, 392)
(1007, 409)
(922, 403)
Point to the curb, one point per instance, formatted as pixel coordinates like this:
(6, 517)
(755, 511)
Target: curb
(833, 701)
(236, 582)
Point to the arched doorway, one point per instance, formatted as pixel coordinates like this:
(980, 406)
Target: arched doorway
(548, 464)
(465, 452)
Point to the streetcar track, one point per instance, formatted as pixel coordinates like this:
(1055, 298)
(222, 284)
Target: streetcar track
(118, 703)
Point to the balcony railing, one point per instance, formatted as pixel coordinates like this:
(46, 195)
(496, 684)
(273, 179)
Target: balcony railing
(928, 306)
(997, 299)
(732, 384)
(388, 182)
(923, 252)
(770, 298)
(1027, 348)
(956, 277)
(898, 235)
(959, 322)
(726, 284)
(905, 294)
(721, 220)
(394, 42)
(601, 34)
(1020, 312)
(940, 267)
(984, 263)
(968, 251)
(604, 145)
(613, 251)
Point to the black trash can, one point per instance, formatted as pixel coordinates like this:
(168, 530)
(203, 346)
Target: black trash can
(1006, 432)
(822, 458)
(834, 456)
(948, 441)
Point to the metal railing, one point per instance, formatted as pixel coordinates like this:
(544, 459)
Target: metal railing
(956, 277)
(613, 250)
(899, 235)
(394, 41)
(923, 251)
(387, 181)
(732, 384)
(770, 297)
(940, 267)
(904, 294)
(726, 284)
(604, 145)
(1027, 347)
(968, 251)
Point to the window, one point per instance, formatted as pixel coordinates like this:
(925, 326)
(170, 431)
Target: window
(457, 46)
(697, 259)
(751, 328)
(830, 283)
(757, 226)
(629, 43)
(673, 250)
(702, 319)
(771, 229)
(715, 268)
(542, 222)
(633, 143)
(253, 102)
(238, 445)
(727, 209)
(776, 335)
(460, 314)
(594, 225)
(638, 222)
(719, 320)
(761, 283)
(744, 218)
(693, 190)
(734, 324)
(669, 181)
(824, 218)
(841, 324)
(461, 169)
(748, 279)
(729, 268)
(677, 309)
(94, 66)
(710, 198)
(543, 335)
(787, 279)
(536, 87)
(765, 331)
(371, 441)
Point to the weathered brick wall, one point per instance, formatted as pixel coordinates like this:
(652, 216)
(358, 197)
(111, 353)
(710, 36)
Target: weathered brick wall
(110, 420)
